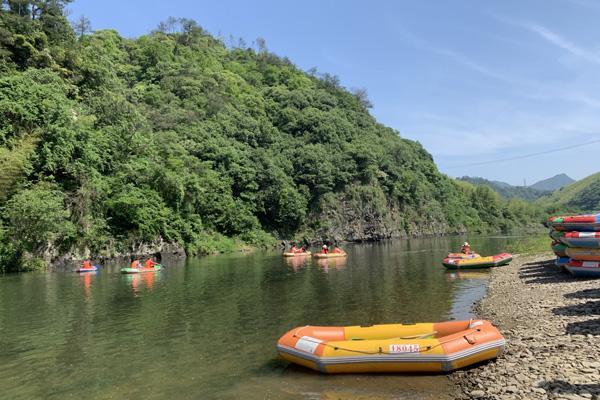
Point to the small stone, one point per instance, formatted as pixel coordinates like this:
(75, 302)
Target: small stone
(477, 393)
(511, 389)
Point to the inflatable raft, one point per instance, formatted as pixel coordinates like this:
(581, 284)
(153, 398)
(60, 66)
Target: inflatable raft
(584, 268)
(584, 223)
(427, 347)
(583, 254)
(329, 255)
(462, 255)
(559, 249)
(480, 262)
(300, 254)
(562, 262)
(93, 268)
(157, 267)
(581, 239)
(556, 235)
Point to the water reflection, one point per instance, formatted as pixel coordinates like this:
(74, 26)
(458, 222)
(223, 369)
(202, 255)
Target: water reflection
(142, 280)
(336, 263)
(461, 275)
(86, 279)
(218, 318)
(298, 262)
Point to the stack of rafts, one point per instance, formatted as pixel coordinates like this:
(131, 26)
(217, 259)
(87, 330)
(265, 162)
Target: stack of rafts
(576, 243)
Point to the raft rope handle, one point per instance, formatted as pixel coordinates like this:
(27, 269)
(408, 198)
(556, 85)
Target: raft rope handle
(423, 336)
(427, 348)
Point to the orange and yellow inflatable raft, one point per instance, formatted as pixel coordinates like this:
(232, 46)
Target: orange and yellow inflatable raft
(426, 347)
(463, 255)
(297, 254)
(329, 255)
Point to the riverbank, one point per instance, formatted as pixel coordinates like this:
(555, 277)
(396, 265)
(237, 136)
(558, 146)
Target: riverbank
(550, 321)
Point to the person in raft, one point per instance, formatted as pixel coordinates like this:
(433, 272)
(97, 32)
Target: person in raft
(150, 263)
(136, 263)
(86, 265)
(303, 249)
(325, 249)
(466, 248)
(337, 250)
(293, 249)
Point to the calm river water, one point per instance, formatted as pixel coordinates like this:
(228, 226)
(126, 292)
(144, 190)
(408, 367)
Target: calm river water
(207, 328)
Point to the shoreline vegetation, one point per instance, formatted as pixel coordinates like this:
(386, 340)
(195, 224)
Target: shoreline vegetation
(537, 243)
(113, 146)
(549, 320)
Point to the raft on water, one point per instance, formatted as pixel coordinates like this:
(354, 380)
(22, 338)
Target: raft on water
(305, 253)
(329, 255)
(462, 255)
(584, 268)
(479, 262)
(93, 268)
(583, 223)
(157, 267)
(425, 347)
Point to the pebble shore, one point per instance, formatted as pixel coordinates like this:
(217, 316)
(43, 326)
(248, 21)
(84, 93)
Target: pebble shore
(551, 322)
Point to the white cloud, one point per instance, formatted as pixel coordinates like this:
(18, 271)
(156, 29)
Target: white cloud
(532, 115)
(565, 44)
(415, 41)
(554, 38)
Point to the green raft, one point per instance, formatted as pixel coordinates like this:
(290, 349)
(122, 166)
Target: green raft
(157, 267)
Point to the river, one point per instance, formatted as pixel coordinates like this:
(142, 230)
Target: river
(206, 328)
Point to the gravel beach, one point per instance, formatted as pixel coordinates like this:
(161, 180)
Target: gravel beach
(551, 322)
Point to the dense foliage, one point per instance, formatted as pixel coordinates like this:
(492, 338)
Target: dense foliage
(579, 197)
(506, 190)
(109, 142)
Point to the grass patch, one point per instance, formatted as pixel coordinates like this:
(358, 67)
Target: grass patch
(531, 245)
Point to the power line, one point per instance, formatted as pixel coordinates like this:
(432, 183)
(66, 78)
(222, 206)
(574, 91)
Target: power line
(525, 155)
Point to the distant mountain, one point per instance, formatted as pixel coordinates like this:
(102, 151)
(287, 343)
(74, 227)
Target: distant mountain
(507, 190)
(554, 183)
(583, 195)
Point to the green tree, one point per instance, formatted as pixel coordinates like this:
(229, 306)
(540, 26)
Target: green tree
(38, 218)
(108, 143)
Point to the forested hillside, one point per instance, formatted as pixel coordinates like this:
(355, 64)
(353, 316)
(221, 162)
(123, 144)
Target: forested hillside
(111, 145)
(506, 190)
(580, 196)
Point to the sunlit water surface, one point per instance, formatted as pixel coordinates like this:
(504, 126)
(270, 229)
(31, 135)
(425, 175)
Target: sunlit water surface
(207, 328)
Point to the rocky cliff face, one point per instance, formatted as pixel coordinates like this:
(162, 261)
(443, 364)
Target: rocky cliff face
(72, 260)
(365, 214)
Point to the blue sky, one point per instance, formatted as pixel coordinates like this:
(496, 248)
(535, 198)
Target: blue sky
(473, 81)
